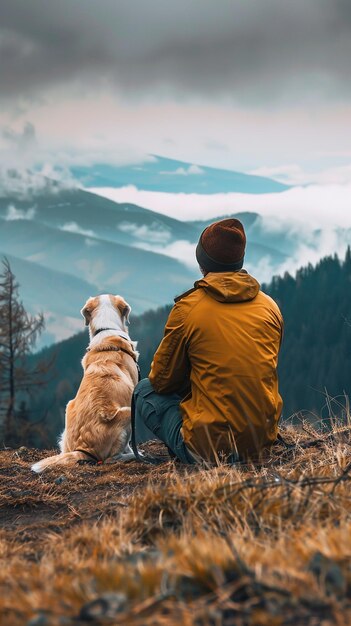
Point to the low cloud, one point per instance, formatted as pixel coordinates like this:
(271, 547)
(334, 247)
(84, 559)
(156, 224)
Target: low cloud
(91, 243)
(305, 223)
(154, 233)
(293, 174)
(24, 184)
(184, 171)
(73, 227)
(183, 251)
(318, 205)
(19, 214)
(311, 250)
(23, 139)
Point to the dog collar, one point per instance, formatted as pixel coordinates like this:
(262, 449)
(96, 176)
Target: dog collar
(120, 333)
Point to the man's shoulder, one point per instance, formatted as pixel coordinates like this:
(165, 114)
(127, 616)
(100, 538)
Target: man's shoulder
(186, 294)
(185, 303)
(269, 303)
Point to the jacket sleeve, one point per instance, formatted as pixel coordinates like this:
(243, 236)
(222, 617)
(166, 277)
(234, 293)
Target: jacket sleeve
(170, 369)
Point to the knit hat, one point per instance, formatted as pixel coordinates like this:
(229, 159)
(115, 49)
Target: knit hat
(221, 246)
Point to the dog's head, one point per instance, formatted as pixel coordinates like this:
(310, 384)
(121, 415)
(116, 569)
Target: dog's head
(106, 311)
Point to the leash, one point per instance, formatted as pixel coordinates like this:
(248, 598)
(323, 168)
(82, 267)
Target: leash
(147, 459)
(93, 458)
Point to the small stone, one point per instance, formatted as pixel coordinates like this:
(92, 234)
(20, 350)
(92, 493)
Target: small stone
(60, 479)
(106, 605)
(38, 620)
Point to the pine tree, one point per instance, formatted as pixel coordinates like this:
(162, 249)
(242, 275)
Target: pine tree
(18, 334)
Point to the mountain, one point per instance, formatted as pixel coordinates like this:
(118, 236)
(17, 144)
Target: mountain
(77, 210)
(61, 234)
(315, 359)
(145, 278)
(169, 175)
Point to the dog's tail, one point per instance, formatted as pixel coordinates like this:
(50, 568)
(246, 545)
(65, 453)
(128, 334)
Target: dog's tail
(65, 458)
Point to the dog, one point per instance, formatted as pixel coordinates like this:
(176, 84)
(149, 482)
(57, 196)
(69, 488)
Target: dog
(98, 419)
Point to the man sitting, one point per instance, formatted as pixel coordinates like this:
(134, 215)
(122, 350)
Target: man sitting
(212, 392)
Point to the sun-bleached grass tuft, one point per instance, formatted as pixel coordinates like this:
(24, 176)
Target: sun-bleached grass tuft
(256, 544)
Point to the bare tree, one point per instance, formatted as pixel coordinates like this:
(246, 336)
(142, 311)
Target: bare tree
(18, 334)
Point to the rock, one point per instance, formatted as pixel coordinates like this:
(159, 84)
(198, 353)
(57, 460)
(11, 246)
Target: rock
(60, 479)
(39, 620)
(106, 605)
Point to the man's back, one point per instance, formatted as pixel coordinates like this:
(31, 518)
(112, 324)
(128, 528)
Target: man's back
(223, 337)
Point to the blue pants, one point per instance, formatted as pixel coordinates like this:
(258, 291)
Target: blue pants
(158, 416)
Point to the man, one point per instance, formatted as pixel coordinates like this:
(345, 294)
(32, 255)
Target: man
(212, 392)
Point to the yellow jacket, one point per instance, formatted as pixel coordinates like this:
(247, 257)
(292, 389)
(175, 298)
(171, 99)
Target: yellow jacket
(220, 351)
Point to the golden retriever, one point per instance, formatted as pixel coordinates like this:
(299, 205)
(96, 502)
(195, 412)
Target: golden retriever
(98, 425)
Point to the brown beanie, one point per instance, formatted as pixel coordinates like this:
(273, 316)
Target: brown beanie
(221, 246)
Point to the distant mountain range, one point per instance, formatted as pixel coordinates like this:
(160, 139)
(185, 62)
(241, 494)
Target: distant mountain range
(172, 176)
(66, 244)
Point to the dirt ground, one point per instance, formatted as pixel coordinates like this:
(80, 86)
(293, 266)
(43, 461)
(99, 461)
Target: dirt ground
(167, 545)
(34, 505)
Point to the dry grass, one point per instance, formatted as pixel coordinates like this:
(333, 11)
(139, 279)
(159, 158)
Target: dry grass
(254, 545)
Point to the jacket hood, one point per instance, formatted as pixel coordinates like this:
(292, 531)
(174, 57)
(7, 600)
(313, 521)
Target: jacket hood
(229, 286)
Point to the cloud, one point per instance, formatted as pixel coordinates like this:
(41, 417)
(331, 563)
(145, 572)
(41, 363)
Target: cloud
(23, 184)
(249, 51)
(310, 248)
(327, 205)
(73, 227)
(24, 139)
(19, 214)
(91, 243)
(305, 223)
(182, 250)
(293, 174)
(152, 233)
(184, 171)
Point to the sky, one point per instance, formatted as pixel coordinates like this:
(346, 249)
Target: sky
(258, 86)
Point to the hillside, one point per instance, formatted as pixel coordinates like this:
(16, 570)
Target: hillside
(263, 545)
(315, 359)
(108, 266)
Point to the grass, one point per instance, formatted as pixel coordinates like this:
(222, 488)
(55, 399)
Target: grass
(266, 544)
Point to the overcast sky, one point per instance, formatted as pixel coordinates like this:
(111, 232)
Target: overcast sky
(252, 85)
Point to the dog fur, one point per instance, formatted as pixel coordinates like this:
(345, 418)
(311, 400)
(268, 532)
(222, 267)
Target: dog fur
(98, 418)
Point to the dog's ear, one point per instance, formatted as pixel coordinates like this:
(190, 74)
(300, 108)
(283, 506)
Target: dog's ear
(86, 312)
(126, 313)
(123, 308)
